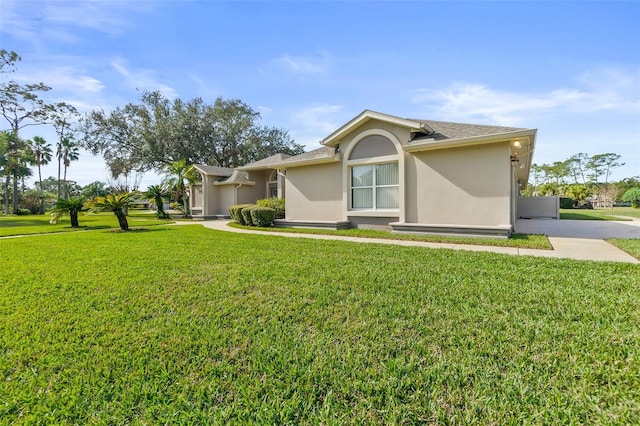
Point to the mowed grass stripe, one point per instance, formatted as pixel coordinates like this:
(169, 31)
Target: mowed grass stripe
(189, 325)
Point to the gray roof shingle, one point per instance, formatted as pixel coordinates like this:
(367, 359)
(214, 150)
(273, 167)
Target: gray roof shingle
(448, 130)
(213, 170)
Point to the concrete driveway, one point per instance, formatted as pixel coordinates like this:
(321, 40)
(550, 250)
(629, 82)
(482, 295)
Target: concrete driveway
(594, 229)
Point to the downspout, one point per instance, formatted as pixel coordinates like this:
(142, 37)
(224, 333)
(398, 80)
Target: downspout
(235, 193)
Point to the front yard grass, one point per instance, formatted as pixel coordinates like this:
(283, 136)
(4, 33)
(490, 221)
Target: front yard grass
(631, 246)
(186, 325)
(617, 213)
(39, 224)
(516, 240)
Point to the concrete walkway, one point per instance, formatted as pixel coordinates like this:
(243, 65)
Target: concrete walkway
(569, 248)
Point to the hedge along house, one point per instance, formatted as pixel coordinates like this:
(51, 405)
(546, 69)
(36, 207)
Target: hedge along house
(222, 187)
(410, 176)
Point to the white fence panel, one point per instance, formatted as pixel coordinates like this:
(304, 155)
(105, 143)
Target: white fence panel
(539, 207)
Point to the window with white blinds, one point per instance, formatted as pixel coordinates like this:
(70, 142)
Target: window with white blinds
(375, 186)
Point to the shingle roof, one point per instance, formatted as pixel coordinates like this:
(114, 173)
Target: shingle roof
(265, 162)
(316, 154)
(213, 170)
(238, 177)
(447, 130)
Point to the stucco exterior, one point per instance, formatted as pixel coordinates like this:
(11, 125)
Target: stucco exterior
(385, 172)
(460, 186)
(314, 193)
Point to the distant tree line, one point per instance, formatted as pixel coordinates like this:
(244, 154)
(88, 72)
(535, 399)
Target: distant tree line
(167, 136)
(583, 178)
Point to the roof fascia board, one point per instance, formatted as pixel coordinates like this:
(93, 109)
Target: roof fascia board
(367, 115)
(250, 183)
(313, 161)
(475, 140)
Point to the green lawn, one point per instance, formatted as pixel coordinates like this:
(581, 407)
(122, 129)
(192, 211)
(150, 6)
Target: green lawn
(185, 325)
(600, 213)
(39, 224)
(631, 246)
(517, 240)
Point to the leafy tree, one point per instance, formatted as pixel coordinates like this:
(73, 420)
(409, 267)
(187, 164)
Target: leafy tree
(158, 132)
(578, 193)
(632, 196)
(8, 59)
(558, 171)
(71, 206)
(577, 165)
(156, 193)
(41, 154)
(603, 164)
(94, 189)
(116, 203)
(179, 173)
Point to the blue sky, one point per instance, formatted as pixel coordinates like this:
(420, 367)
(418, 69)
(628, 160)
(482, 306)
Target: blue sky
(569, 69)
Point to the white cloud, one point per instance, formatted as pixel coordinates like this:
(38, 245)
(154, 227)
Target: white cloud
(311, 123)
(37, 21)
(142, 79)
(595, 91)
(317, 117)
(63, 78)
(303, 65)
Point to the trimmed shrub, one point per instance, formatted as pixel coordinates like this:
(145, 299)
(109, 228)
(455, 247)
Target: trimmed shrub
(235, 212)
(23, 212)
(566, 203)
(275, 203)
(262, 216)
(246, 215)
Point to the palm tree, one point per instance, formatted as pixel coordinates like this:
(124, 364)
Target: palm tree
(116, 203)
(41, 154)
(67, 151)
(156, 193)
(15, 157)
(71, 206)
(179, 171)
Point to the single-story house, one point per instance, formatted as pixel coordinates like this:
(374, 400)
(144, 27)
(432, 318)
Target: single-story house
(382, 171)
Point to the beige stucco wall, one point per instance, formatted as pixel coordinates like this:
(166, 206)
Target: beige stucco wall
(314, 192)
(196, 195)
(226, 198)
(461, 186)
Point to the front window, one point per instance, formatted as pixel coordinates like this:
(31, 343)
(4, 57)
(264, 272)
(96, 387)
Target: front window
(375, 186)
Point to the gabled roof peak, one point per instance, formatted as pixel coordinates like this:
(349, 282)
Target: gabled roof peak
(366, 115)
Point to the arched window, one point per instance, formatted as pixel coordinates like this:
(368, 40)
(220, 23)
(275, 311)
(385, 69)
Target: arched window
(272, 184)
(373, 175)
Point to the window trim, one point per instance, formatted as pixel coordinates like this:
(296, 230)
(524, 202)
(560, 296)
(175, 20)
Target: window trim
(373, 187)
(348, 146)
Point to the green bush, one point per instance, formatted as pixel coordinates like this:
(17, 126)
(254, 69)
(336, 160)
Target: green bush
(275, 203)
(262, 216)
(632, 196)
(566, 203)
(235, 212)
(246, 215)
(23, 212)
